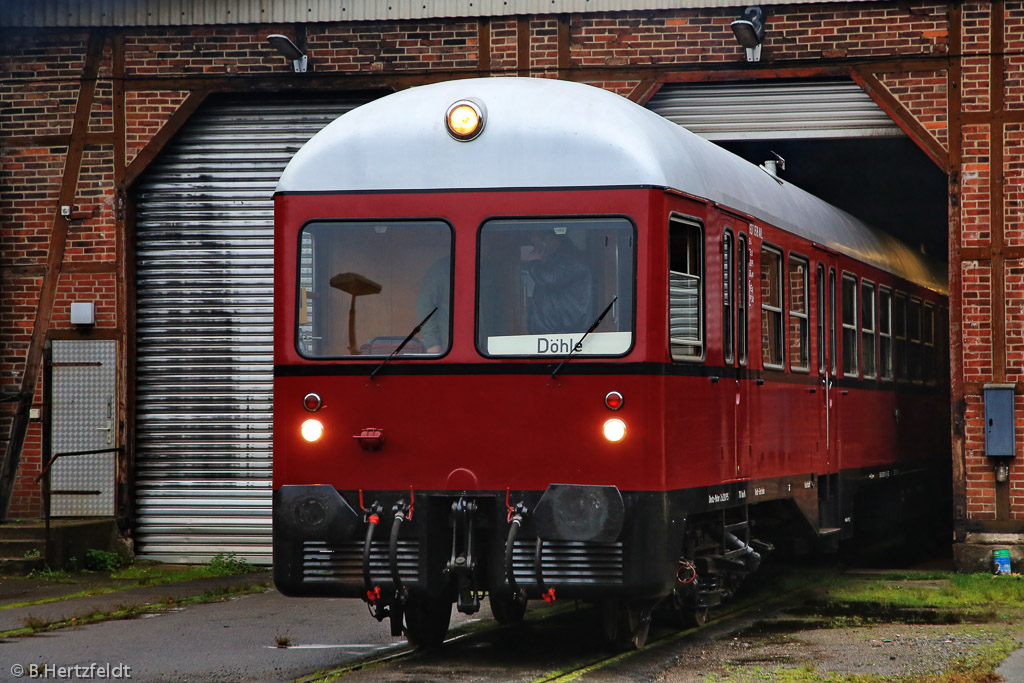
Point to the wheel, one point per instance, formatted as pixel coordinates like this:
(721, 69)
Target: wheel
(692, 616)
(426, 621)
(507, 610)
(626, 624)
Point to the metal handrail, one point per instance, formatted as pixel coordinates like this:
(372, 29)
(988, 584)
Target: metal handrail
(46, 492)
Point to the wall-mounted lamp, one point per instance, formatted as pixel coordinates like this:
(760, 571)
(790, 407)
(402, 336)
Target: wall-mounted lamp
(284, 45)
(749, 32)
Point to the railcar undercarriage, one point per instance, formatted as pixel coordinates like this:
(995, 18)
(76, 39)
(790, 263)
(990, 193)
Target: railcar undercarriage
(411, 555)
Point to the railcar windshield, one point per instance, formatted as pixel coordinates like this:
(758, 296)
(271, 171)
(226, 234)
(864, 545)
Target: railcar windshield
(364, 286)
(543, 283)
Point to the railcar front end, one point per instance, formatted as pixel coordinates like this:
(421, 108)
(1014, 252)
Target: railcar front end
(533, 341)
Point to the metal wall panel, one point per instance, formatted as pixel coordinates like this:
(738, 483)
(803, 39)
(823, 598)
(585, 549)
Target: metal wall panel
(84, 401)
(774, 111)
(39, 13)
(204, 308)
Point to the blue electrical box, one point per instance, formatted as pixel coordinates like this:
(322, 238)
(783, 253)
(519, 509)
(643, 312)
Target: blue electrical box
(999, 427)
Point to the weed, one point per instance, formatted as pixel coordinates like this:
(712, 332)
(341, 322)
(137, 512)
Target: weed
(226, 564)
(47, 574)
(102, 561)
(34, 623)
(282, 641)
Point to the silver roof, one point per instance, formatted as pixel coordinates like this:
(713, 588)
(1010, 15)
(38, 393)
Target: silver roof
(543, 133)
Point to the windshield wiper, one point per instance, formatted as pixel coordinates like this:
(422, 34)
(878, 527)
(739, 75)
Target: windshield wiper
(398, 349)
(579, 344)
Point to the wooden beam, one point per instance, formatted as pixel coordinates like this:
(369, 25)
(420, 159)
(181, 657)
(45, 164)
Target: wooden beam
(870, 83)
(523, 46)
(958, 405)
(163, 136)
(690, 72)
(645, 90)
(483, 41)
(54, 259)
(564, 44)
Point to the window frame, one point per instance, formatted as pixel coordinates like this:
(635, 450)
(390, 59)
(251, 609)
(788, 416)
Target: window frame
(728, 297)
(866, 333)
(832, 317)
(819, 292)
(901, 345)
(554, 217)
(886, 371)
(698, 224)
(742, 304)
(928, 355)
(854, 327)
(780, 310)
(297, 324)
(915, 348)
(805, 316)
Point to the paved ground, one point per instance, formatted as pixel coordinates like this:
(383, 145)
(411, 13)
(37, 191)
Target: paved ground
(232, 640)
(238, 640)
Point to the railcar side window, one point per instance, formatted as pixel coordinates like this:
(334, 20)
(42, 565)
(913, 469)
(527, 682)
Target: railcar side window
(820, 308)
(742, 294)
(867, 317)
(914, 335)
(771, 308)
(685, 290)
(364, 287)
(543, 282)
(799, 328)
(850, 356)
(899, 329)
(885, 368)
(727, 298)
(928, 341)
(832, 319)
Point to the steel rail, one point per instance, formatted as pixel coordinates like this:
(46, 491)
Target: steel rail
(732, 611)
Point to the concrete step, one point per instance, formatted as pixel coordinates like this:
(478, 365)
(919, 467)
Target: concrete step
(22, 530)
(18, 547)
(20, 565)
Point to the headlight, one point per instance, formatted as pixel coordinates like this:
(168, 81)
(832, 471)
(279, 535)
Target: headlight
(614, 430)
(312, 430)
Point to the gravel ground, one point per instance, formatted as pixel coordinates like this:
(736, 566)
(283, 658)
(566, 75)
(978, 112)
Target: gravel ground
(883, 650)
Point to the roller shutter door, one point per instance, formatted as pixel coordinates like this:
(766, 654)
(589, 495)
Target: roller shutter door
(774, 111)
(204, 317)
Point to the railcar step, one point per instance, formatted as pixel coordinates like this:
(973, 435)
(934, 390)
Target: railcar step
(828, 531)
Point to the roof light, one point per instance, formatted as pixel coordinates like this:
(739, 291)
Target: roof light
(465, 120)
(614, 430)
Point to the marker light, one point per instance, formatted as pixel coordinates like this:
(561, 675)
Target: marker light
(464, 120)
(312, 430)
(614, 430)
(613, 400)
(312, 402)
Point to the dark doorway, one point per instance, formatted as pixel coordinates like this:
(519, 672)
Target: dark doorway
(887, 182)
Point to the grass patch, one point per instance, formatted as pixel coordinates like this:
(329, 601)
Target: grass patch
(973, 667)
(927, 598)
(32, 625)
(135, 576)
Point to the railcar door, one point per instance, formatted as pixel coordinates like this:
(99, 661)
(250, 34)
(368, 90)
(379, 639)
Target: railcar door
(826, 329)
(732, 390)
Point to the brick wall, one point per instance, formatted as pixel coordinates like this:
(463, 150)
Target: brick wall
(40, 72)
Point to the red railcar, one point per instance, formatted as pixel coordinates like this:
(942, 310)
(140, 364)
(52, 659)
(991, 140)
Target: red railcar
(534, 341)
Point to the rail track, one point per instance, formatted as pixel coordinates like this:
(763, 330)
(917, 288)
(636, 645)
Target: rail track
(561, 643)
